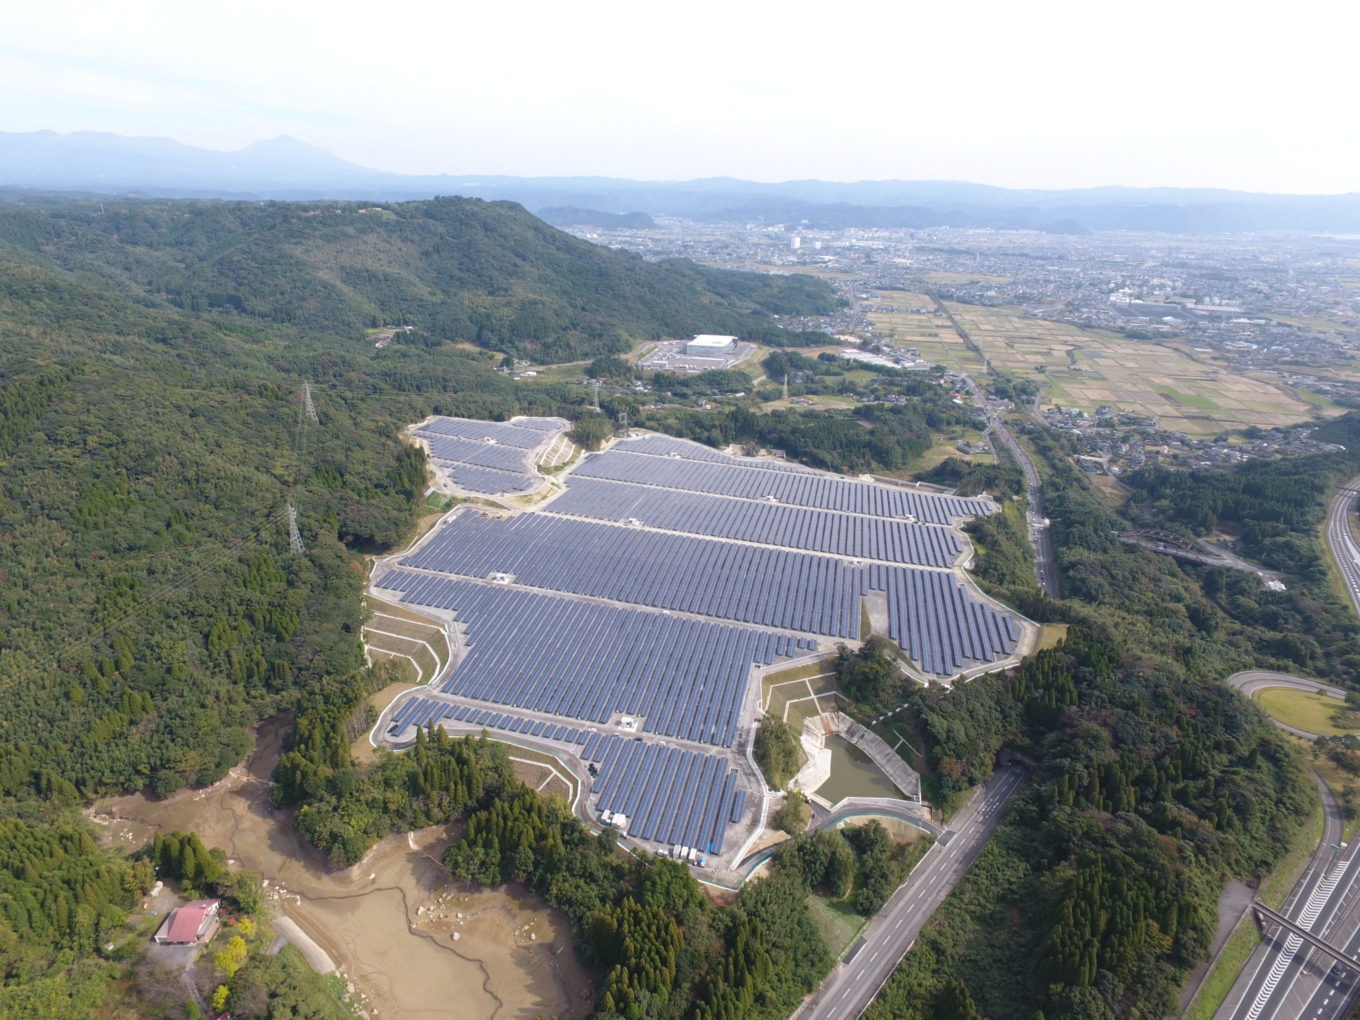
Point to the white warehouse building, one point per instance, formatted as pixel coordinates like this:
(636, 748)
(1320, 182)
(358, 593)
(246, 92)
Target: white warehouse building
(710, 345)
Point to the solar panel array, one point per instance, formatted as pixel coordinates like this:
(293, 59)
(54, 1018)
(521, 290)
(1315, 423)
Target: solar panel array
(760, 555)
(525, 433)
(680, 677)
(487, 456)
(931, 615)
(668, 446)
(743, 479)
(668, 794)
(795, 527)
(750, 584)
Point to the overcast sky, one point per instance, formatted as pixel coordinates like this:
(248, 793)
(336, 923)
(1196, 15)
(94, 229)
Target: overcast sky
(1049, 95)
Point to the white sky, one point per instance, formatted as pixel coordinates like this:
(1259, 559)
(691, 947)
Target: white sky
(1053, 94)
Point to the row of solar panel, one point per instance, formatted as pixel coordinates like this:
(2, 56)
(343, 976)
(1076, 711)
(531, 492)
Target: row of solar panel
(930, 614)
(827, 492)
(668, 446)
(941, 628)
(668, 794)
(827, 531)
(418, 712)
(580, 660)
(525, 433)
(769, 587)
(491, 481)
(470, 451)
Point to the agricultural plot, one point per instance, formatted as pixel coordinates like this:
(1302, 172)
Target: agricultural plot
(1086, 369)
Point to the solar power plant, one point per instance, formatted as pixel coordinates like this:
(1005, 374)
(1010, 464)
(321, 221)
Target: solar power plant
(680, 677)
(941, 626)
(668, 446)
(746, 583)
(525, 433)
(794, 527)
(487, 456)
(748, 481)
(668, 794)
(651, 586)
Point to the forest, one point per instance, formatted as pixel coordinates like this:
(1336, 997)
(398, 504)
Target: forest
(461, 270)
(151, 438)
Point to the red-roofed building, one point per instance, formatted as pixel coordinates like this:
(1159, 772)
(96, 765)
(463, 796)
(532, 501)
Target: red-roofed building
(191, 924)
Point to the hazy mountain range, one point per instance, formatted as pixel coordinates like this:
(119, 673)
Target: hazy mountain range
(285, 168)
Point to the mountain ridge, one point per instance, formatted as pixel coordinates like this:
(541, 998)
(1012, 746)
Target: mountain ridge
(286, 168)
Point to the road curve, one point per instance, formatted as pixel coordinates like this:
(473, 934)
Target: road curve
(1249, 681)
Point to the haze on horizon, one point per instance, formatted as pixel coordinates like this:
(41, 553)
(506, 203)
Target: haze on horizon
(1056, 96)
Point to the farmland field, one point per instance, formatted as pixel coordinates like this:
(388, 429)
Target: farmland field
(1085, 369)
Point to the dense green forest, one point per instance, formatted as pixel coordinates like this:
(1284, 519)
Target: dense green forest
(463, 270)
(150, 441)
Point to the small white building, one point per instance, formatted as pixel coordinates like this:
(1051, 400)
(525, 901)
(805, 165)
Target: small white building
(711, 345)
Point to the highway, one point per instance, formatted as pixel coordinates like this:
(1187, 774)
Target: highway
(854, 983)
(1344, 549)
(1282, 980)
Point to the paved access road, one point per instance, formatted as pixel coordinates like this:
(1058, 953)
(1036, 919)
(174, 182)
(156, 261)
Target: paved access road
(854, 983)
(1339, 538)
(1045, 569)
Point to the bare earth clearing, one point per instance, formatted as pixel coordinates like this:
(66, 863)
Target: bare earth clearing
(391, 923)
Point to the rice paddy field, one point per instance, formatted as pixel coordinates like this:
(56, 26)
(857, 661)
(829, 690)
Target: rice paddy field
(1085, 369)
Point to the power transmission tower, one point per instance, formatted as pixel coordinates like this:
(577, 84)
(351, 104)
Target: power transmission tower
(623, 420)
(295, 545)
(786, 386)
(597, 394)
(308, 407)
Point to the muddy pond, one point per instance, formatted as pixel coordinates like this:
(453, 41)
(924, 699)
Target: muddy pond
(411, 941)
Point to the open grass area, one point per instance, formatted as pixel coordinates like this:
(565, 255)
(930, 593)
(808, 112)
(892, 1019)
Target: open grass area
(836, 922)
(1219, 981)
(1049, 635)
(395, 633)
(1303, 710)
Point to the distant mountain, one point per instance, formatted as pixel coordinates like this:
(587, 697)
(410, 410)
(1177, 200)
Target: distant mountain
(571, 216)
(285, 168)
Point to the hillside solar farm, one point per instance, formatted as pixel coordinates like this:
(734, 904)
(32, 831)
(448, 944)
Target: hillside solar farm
(620, 624)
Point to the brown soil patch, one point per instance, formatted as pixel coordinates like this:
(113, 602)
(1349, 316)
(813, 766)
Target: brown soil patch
(391, 923)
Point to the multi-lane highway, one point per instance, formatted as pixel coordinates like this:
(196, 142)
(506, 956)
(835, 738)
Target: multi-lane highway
(1342, 543)
(1283, 979)
(854, 983)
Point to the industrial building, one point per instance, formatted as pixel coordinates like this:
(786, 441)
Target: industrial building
(711, 345)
